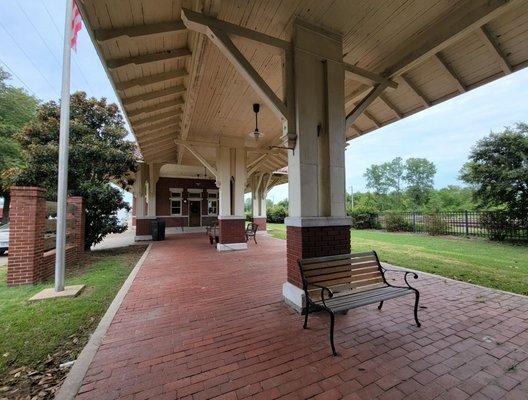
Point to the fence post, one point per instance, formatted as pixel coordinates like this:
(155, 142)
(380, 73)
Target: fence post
(467, 222)
(414, 222)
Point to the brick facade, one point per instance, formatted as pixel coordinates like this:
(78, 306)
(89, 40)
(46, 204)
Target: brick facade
(317, 241)
(261, 222)
(27, 261)
(232, 230)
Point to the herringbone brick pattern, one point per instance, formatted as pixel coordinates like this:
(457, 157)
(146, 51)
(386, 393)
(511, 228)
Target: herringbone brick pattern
(197, 324)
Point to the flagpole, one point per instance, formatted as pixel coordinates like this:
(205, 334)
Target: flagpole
(62, 187)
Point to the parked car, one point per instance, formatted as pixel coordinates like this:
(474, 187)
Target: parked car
(4, 238)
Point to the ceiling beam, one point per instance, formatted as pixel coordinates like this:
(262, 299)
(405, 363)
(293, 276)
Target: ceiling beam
(149, 58)
(149, 80)
(494, 47)
(158, 126)
(158, 117)
(373, 119)
(416, 91)
(257, 163)
(102, 35)
(391, 105)
(450, 72)
(363, 104)
(468, 16)
(179, 89)
(200, 23)
(200, 158)
(158, 107)
(367, 77)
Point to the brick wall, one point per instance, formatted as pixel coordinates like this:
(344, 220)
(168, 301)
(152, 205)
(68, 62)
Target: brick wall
(163, 193)
(261, 222)
(307, 242)
(27, 261)
(232, 230)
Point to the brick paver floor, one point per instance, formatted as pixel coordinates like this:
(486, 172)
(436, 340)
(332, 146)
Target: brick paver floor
(198, 324)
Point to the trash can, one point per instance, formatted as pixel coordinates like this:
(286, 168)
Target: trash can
(161, 229)
(154, 229)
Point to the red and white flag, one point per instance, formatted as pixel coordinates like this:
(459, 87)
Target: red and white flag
(76, 25)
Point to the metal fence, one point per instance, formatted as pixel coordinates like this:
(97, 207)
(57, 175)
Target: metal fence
(460, 223)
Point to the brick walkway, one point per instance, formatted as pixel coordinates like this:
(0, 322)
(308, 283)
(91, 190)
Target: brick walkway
(197, 324)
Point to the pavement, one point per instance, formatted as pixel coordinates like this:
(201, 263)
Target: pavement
(116, 240)
(199, 324)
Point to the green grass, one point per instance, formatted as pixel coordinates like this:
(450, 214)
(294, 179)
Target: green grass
(29, 332)
(479, 261)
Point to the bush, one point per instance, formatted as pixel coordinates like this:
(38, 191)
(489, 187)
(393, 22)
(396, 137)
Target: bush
(396, 222)
(435, 224)
(364, 219)
(497, 223)
(276, 214)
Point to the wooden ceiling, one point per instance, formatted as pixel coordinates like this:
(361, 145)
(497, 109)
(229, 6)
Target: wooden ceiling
(174, 83)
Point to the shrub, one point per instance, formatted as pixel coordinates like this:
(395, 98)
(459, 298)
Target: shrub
(396, 222)
(364, 219)
(435, 224)
(276, 214)
(497, 223)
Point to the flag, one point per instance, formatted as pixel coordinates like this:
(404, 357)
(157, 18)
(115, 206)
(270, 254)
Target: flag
(76, 25)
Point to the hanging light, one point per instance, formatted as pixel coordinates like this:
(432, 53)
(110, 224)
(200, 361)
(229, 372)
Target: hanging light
(256, 133)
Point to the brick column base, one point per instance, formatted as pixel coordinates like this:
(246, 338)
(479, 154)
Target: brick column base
(261, 222)
(232, 234)
(308, 242)
(143, 228)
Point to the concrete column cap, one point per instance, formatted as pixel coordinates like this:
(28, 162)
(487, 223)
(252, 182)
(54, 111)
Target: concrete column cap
(317, 221)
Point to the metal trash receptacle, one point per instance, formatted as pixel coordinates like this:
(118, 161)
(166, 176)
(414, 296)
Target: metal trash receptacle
(161, 229)
(154, 229)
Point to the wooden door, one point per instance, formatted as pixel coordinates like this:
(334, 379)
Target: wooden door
(195, 213)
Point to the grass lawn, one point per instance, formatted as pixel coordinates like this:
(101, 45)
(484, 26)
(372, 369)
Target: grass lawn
(479, 261)
(34, 335)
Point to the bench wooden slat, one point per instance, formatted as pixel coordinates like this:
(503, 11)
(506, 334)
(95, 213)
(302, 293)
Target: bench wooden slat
(371, 297)
(345, 276)
(331, 270)
(308, 261)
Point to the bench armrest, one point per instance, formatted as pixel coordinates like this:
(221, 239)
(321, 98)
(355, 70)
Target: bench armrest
(401, 271)
(323, 289)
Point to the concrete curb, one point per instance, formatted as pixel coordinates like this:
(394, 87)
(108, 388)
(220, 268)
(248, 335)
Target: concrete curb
(73, 381)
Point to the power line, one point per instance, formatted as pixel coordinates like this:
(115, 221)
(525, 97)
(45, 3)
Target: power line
(60, 36)
(25, 54)
(18, 77)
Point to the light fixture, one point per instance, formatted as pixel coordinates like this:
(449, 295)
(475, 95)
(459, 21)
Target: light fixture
(256, 133)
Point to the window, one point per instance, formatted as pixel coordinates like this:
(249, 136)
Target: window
(212, 202)
(176, 201)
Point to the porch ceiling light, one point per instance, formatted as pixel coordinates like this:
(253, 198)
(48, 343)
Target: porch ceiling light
(256, 133)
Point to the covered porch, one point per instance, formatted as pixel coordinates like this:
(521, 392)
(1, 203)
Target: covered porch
(197, 324)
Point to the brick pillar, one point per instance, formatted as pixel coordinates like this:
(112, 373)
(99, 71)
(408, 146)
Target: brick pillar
(232, 233)
(80, 222)
(26, 235)
(261, 222)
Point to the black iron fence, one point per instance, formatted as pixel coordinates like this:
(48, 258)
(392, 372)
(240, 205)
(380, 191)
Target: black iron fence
(490, 224)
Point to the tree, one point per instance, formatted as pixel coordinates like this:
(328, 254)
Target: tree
(498, 170)
(16, 109)
(419, 176)
(99, 157)
(378, 178)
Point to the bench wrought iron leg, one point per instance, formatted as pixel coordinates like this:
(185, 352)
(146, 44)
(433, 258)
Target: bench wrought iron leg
(416, 309)
(306, 317)
(255, 238)
(380, 305)
(332, 318)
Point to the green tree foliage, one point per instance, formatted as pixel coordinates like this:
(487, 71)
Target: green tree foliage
(16, 109)
(99, 156)
(419, 176)
(277, 212)
(498, 170)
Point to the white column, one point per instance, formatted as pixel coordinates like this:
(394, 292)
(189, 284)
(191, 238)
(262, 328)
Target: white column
(153, 180)
(139, 191)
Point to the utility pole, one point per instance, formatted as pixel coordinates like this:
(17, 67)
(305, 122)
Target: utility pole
(352, 195)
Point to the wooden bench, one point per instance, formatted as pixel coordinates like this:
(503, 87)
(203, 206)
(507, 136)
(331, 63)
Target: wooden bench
(340, 283)
(212, 232)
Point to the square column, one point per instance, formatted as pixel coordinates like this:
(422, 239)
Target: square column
(142, 220)
(231, 181)
(259, 188)
(317, 224)
(153, 181)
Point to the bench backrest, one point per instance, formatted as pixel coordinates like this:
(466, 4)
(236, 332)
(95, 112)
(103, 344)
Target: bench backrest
(251, 228)
(359, 271)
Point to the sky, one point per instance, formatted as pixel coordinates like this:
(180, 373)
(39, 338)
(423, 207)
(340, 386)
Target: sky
(31, 50)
